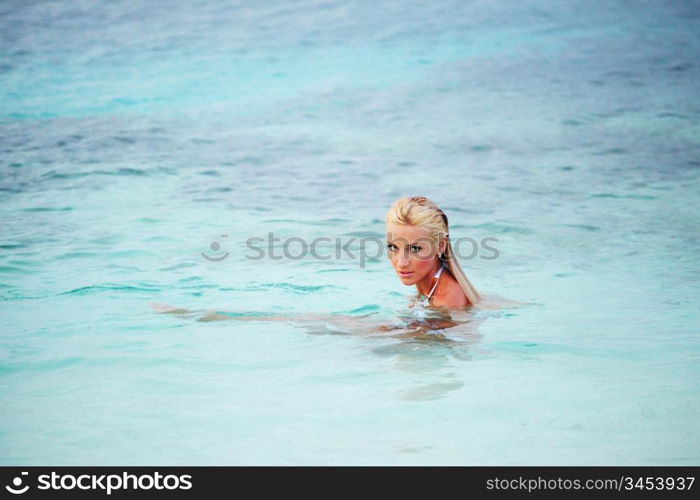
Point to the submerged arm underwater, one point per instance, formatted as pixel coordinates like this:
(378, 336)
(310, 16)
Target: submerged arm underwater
(411, 323)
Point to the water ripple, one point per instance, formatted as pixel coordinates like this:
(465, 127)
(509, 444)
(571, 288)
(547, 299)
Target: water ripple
(84, 290)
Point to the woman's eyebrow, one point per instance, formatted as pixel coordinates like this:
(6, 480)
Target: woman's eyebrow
(403, 240)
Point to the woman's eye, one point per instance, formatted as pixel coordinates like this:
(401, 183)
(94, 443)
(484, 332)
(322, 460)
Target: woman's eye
(415, 249)
(391, 247)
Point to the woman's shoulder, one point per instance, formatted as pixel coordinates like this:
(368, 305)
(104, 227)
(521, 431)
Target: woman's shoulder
(452, 297)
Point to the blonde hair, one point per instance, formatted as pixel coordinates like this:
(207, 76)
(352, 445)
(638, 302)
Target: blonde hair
(422, 212)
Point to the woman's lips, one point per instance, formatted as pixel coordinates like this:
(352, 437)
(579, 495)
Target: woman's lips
(407, 273)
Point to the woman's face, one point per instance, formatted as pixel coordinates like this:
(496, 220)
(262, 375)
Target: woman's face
(412, 252)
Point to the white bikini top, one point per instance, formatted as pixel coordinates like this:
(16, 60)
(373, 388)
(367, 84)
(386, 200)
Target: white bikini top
(426, 301)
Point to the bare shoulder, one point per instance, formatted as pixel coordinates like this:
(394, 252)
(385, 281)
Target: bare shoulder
(453, 297)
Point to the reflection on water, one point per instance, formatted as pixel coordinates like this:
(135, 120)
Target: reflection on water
(430, 392)
(428, 363)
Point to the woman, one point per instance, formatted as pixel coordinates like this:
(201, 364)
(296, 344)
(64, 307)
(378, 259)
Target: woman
(420, 250)
(421, 253)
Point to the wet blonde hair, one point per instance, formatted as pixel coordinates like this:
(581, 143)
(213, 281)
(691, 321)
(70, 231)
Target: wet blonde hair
(422, 212)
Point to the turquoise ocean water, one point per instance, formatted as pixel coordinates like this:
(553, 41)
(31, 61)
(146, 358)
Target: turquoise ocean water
(133, 137)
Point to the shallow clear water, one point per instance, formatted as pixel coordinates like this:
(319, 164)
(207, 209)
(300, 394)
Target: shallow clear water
(134, 137)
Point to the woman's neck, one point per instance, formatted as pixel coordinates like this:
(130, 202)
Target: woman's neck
(425, 284)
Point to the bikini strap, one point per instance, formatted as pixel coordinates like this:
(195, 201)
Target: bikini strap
(437, 275)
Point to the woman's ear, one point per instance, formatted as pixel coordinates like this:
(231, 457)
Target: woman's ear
(442, 247)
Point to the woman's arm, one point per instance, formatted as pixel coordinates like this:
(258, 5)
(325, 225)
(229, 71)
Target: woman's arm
(338, 323)
(168, 309)
(207, 314)
(327, 323)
